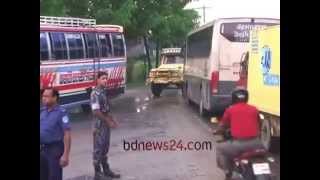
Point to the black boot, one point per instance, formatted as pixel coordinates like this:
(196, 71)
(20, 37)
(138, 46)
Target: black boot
(228, 175)
(108, 172)
(98, 175)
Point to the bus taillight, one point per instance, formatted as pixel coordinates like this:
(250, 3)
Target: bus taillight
(214, 82)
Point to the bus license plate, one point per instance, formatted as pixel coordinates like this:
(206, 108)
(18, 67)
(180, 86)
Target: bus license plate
(261, 168)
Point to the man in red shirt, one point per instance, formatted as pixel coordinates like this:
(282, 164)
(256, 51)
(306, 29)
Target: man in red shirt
(243, 121)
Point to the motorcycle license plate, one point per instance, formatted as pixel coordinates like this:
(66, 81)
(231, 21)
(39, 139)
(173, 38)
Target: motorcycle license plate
(261, 168)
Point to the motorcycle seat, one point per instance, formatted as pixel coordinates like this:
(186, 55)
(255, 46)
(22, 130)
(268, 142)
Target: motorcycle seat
(251, 154)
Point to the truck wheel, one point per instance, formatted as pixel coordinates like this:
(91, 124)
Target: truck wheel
(156, 89)
(266, 134)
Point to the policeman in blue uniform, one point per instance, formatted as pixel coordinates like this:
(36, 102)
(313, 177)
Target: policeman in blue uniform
(44, 173)
(55, 137)
(101, 134)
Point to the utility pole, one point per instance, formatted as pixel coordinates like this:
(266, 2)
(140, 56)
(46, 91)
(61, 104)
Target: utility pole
(204, 14)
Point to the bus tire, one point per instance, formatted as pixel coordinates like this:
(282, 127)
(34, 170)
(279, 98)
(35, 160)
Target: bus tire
(86, 108)
(184, 90)
(189, 101)
(202, 110)
(156, 89)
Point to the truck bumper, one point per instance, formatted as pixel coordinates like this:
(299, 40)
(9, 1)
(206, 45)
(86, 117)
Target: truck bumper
(165, 81)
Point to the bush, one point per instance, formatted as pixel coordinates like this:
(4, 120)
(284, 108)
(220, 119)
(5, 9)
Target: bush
(135, 70)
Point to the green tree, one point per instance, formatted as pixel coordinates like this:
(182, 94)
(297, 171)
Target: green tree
(173, 24)
(112, 11)
(52, 8)
(77, 8)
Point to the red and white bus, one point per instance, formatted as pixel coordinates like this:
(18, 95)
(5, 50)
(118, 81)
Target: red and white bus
(73, 50)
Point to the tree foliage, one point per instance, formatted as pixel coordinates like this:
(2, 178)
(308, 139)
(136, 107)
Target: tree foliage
(52, 7)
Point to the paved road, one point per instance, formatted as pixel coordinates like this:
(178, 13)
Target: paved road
(144, 119)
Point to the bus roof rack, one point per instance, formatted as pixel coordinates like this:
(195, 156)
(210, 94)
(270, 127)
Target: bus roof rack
(66, 21)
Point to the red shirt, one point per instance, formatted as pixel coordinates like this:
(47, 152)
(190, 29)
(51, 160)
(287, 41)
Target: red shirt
(243, 120)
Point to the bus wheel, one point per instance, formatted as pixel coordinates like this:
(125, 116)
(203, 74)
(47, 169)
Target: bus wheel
(86, 108)
(184, 90)
(156, 89)
(202, 110)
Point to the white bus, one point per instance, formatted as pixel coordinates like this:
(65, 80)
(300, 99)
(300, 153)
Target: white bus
(213, 56)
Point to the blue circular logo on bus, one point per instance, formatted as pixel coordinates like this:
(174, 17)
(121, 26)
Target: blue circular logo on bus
(266, 59)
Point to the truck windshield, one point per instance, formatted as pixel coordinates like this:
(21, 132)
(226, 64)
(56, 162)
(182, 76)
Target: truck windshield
(173, 60)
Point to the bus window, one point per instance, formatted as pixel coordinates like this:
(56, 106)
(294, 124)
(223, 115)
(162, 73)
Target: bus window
(59, 47)
(199, 43)
(91, 45)
(118, 45)
(75, 45)
(239, 32)
(44, 51)
(105, 45)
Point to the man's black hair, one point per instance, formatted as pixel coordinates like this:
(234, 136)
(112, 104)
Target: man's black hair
(55, 92)
(102, 73)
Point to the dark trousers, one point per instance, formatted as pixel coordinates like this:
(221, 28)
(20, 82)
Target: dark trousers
(230, 149)
(44, 169)
(52, 154)
(101, 143)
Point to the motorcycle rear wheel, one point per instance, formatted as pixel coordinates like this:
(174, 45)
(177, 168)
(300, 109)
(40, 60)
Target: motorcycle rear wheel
(263, 177)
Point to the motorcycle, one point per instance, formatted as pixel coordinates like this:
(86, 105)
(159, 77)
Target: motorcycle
(254, 164)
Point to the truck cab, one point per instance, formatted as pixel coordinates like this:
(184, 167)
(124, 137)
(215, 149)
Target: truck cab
(170, 72)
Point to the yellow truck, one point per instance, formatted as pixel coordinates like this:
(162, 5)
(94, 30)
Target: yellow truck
(170, 72)
(263, 81)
